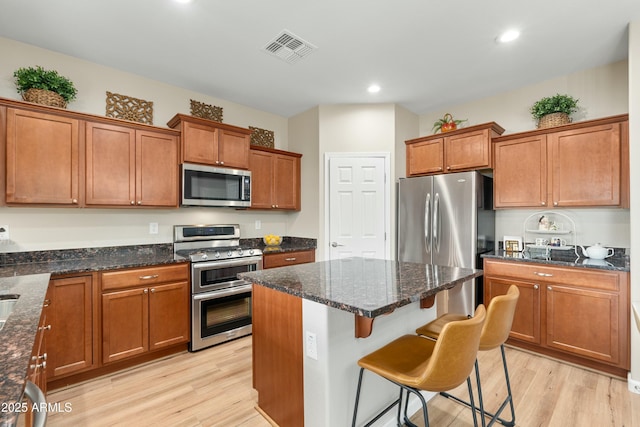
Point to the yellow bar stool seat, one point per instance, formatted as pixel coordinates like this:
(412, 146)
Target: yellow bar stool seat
(415, 363)
(495, 333)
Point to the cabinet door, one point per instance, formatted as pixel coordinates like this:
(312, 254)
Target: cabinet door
(585, 166)
(286, 182)
(425, 157)
(157, 178)
(233, 149)
(467, 151)
(584, 322)
(199, 143)
(42, 158)
(125, 324)
(111, 165)
(526, 320)
(520, 172)
(71, 315)
(261, 165)
(168, 315)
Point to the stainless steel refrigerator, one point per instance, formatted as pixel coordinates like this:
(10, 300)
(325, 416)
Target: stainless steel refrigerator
(447, 220)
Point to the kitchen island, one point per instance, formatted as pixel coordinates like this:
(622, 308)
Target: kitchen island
(306, 322)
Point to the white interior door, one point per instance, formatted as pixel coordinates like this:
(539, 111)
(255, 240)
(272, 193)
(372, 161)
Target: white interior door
(358, 207)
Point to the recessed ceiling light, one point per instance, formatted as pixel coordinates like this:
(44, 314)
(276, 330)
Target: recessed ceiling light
(373, 88)
(183, 1)
(508, 36)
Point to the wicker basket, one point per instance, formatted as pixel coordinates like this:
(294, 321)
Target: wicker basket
(44, 97)
(553, 119)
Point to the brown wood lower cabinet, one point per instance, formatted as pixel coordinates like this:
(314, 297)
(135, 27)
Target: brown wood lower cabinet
(143, 310)
(282, 259)
(577, 314)
(277, 355)
(74, 323)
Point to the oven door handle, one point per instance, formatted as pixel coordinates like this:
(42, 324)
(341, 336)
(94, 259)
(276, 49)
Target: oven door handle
(223, 293)
(197, 266)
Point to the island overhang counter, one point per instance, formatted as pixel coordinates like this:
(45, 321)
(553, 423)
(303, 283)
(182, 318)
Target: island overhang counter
(305, 340)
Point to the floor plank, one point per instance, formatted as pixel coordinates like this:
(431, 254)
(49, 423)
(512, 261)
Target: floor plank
(213, 388)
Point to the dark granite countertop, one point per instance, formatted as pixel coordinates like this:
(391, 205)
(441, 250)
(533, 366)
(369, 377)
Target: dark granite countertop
(364, 286)
(71, 261)
(289, 244)
(566, 258)
(18, 336)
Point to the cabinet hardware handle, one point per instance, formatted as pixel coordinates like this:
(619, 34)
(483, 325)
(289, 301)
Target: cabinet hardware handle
(43, 357)
(146, 291)
(555, 203)
(549, 288)
(151, 276)
(222, 163)
(276, 206)
(535, 287)
(153, 290)
(74, 201)
(45, 328)
(42, 365)
(139, 202)
(47, 303)
(290, 259)
(133, 203)
(543, 274)
(543, 203)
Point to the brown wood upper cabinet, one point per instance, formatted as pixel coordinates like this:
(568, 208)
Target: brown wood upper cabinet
(42, 158)
(459, 150)
(275, 179)
(130, 167)
(581, 164)
(212, 143)
(577, 314)
(143, 310)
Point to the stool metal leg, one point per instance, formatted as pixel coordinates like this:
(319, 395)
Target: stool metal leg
(508, 400)
(384, 411)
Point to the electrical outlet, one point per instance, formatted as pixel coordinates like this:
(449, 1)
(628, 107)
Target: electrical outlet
(4, 232)
(312, 346)
(153, 228)
(258, 224)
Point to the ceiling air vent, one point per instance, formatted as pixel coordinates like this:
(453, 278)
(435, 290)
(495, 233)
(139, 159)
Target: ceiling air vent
(289, 47)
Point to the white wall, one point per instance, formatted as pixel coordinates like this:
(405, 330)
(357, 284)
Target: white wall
(634, 154)
(602, 91)
(61, 228)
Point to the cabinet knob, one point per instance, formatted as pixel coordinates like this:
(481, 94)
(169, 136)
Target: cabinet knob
(536, 287)
(139, 202)
(153, 290)
(448, 168)
(222, 163)
(46, 303)
(543, 203)
(75, 201)
(45, 328)
(133, 203)
(555, 203)
(276, 206)
(549, 288)
(146, 291)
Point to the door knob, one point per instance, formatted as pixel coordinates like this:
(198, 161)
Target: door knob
(335, 244)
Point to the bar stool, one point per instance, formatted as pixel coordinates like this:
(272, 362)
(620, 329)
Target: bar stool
(415, 363)
(494, 334)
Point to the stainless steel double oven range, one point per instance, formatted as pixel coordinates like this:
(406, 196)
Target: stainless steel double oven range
(220, 302)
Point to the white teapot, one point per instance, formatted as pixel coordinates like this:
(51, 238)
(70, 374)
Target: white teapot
(597, 251)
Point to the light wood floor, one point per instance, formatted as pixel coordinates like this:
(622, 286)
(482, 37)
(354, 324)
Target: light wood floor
(213, 388)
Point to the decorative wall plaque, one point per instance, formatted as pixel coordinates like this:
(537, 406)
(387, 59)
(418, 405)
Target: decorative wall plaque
(206, 111)
(129, 108)
(262, 137)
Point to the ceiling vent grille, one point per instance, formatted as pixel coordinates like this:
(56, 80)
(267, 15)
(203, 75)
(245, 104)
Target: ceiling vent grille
(289, 47)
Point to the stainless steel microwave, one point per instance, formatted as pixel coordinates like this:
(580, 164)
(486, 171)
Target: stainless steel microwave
(212, 186)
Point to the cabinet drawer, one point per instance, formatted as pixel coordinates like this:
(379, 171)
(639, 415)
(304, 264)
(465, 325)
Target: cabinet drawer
(288, 258)
(583, 277)
(144, 276)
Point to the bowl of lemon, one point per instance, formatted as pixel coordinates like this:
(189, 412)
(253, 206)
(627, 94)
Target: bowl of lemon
(272, 240)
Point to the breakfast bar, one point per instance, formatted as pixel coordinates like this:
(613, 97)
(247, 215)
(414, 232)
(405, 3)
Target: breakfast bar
(312, 322)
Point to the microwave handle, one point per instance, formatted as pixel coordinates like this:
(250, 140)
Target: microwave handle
(246, 195)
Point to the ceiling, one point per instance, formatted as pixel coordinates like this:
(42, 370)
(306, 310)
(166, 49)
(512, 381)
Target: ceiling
(424, 54)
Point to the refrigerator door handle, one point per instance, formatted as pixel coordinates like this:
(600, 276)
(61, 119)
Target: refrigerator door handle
(436, 223)
(427, 220)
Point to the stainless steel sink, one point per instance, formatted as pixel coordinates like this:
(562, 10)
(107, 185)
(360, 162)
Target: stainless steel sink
(6, 307)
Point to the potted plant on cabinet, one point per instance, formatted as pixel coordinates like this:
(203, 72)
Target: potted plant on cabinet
(47, 87)
(446, 124)
(554, 110)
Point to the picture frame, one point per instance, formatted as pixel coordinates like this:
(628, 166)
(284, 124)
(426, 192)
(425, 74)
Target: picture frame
(512, 244)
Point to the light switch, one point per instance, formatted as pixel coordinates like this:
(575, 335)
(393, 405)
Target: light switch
(153, 228)
(312, 346)
(4, 232)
